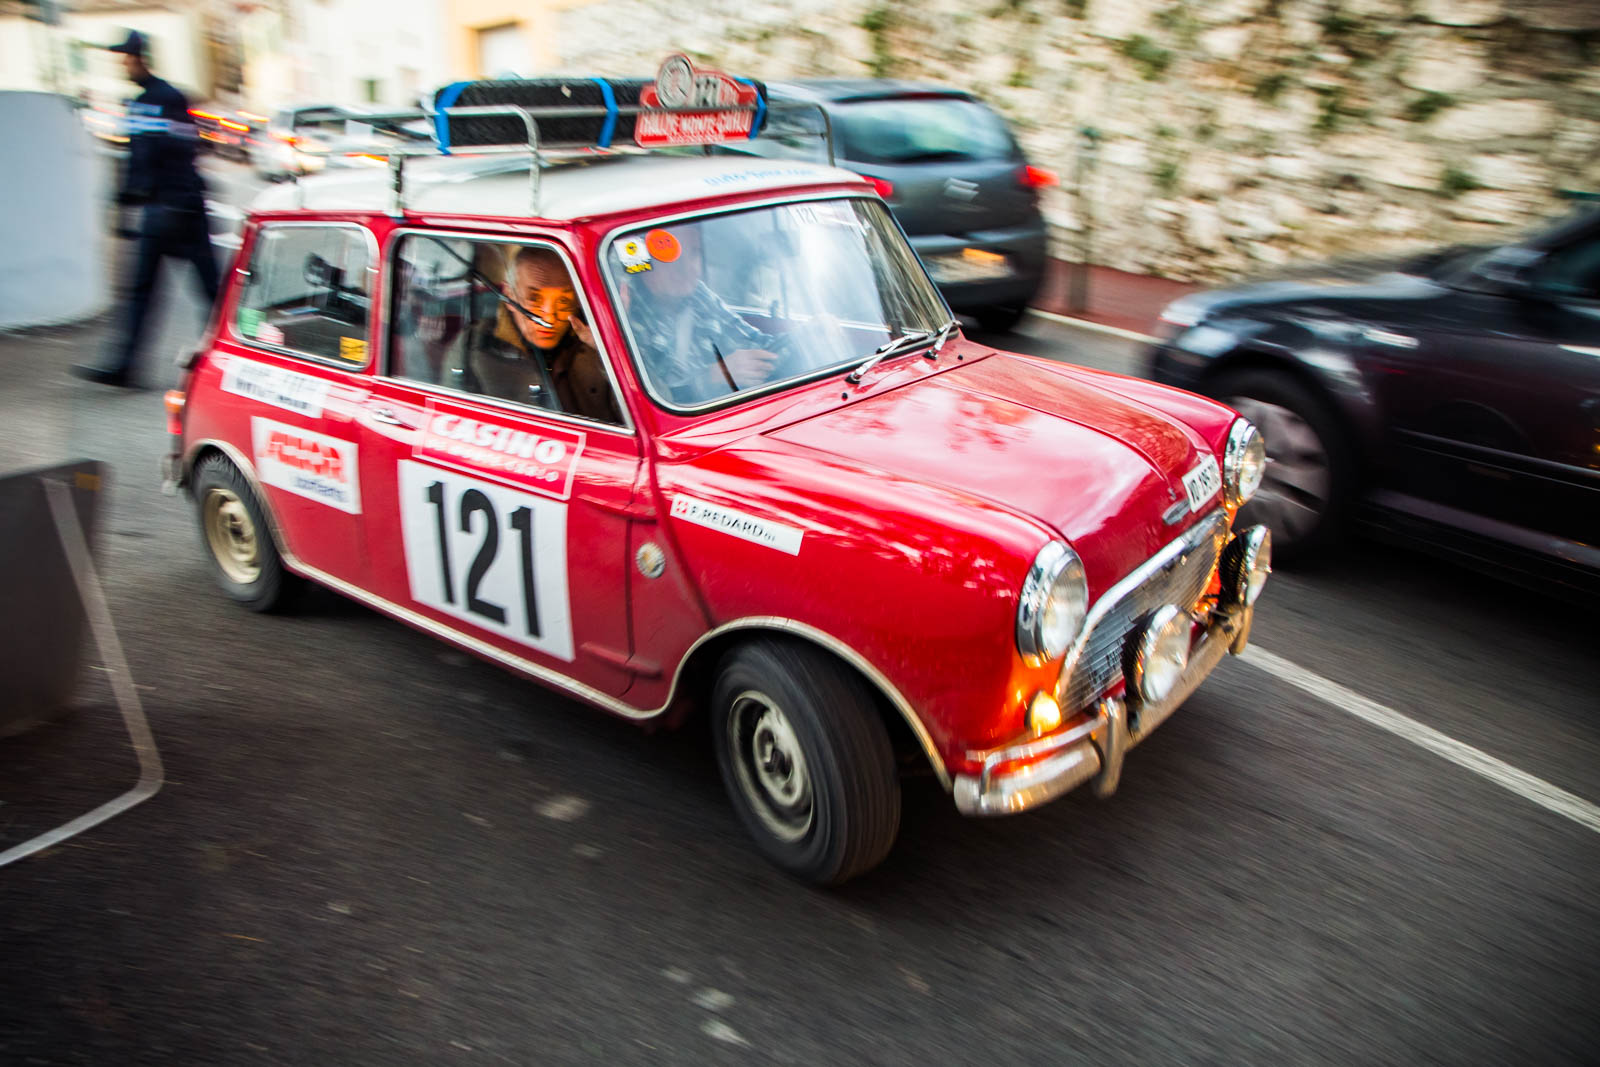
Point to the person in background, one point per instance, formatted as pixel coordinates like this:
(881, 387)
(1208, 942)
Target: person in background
(541, 358)
(161, 178)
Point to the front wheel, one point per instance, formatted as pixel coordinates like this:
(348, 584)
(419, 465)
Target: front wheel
(806, 760)
(1306, 493)
(234, 529)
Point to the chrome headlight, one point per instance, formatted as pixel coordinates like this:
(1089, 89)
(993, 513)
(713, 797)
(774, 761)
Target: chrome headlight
(1246, 562)
(1052, 605)
(1244, 462)
(1158, 657)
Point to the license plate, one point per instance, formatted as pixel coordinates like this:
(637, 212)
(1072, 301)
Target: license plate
(1203, 483)
(968, 265)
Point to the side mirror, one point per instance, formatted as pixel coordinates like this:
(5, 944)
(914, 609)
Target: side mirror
(1511, 268)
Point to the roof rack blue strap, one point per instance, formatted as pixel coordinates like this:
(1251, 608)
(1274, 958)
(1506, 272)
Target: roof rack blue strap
(761, 107)
(441, 123)
(610, 126)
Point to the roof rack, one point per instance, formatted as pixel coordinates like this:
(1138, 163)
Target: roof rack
(685, 106)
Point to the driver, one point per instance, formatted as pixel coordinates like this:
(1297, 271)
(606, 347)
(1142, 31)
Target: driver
(552, 362)
(695, 346)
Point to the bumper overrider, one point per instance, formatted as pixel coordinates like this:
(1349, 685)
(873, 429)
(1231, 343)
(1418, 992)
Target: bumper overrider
(1090, 747)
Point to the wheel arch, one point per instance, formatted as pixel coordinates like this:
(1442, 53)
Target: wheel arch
(1351, 407)
(201, 450)
(697, 674)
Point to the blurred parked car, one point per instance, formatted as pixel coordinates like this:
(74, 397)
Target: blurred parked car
(308, 140)
(949, 169)
(222, 132)
(1456, 398)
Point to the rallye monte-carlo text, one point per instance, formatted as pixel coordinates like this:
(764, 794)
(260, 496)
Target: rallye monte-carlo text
(676, 434)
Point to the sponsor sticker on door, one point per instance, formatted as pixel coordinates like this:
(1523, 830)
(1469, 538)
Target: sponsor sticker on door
(534, 456)
(276, 386)
(751, 528)
(306, 463)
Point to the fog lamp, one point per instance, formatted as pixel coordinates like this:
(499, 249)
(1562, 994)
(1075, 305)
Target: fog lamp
(1159, 655)
(1044, 714)
(1246, 562)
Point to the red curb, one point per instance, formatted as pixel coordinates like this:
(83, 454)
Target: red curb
(1115, 297)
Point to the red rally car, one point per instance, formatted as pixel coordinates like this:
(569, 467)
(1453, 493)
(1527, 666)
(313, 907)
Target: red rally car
(679, 433)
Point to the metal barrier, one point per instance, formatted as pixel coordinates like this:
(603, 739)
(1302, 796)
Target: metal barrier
(51, 598)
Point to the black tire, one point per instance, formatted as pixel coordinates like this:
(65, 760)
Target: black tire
(845, 811)
(1306, 521)
(1001, 318)
(235, 534)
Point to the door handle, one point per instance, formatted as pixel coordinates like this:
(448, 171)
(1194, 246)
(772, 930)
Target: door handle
(389, 418)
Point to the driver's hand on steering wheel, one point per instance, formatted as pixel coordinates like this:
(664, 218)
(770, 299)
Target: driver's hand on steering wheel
(750, 366)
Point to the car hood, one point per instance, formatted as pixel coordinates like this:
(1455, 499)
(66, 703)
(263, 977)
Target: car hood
(1392, 297)
(1100, 469)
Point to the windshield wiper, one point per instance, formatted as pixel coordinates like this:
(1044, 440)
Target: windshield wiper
(906, 341)
(909, 339)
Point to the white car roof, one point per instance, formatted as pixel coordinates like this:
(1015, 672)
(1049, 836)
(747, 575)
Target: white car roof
(499, 185)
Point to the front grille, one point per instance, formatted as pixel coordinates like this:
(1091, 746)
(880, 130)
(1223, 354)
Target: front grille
(1181, 580)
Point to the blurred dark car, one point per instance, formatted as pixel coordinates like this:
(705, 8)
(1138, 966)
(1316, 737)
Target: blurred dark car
(1455, 399)
(951, 172)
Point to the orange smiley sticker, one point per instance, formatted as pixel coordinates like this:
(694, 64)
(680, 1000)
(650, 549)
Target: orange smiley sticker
(663, 245)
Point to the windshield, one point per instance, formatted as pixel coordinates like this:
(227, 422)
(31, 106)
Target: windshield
(727, 304)
(920, 130)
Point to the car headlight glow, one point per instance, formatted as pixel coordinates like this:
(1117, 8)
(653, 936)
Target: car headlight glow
(1184, 312)
(1052, 605)
(1159, 656)
(1244, 462)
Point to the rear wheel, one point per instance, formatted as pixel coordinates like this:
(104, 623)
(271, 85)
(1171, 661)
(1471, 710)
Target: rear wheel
(1305, 496)
(234, 530)
(806, 761)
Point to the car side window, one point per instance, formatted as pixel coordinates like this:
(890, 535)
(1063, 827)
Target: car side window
(308, 292)
(1573, 271)
(497, 319)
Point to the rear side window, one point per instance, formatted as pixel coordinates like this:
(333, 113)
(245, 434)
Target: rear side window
(921, 130)
(308, 292)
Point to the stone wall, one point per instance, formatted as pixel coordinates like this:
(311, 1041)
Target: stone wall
(1236, 135)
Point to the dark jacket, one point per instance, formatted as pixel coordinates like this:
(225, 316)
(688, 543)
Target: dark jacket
(569, 377)
(161, 149)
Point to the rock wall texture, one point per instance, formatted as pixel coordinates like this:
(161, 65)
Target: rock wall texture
(1235, 135)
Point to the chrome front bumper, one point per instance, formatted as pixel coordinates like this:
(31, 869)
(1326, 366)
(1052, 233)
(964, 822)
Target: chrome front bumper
(1093, 750)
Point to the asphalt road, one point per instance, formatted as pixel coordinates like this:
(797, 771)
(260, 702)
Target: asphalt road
(373, 849)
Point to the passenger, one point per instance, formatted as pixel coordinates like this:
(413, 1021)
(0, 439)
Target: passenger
(693, 344)
(548, 363)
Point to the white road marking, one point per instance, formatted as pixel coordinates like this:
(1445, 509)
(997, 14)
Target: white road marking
(564, 809)
(1547, 796)
(1096, 327)
(722, 1032)
(713, 1000)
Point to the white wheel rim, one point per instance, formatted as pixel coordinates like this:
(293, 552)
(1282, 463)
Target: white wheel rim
(231, 535)
(770, 766)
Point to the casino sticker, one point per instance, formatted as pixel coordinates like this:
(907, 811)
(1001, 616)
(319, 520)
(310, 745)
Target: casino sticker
(663, 245)
(634, 255)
